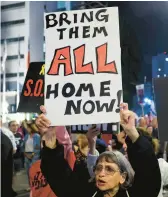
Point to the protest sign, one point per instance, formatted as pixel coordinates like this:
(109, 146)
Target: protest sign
(32, 95)
(140, 93)
(83, 66)
(39, 185)
(161, 101)
(110, 128)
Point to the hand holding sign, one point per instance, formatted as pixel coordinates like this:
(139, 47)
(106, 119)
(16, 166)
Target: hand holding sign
(42, 122)
(128, 122)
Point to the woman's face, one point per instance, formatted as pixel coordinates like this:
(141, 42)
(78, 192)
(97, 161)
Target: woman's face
(108, 176)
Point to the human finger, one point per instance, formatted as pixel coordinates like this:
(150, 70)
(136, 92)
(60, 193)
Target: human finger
(43, 109)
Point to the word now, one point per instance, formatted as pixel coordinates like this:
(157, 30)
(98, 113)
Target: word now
(62, 56)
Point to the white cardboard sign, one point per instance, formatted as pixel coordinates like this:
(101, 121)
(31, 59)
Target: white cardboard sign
(83, 66)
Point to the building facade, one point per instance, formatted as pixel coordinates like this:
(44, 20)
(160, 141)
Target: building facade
(22, 29)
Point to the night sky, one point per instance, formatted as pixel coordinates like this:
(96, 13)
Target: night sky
(149, 21)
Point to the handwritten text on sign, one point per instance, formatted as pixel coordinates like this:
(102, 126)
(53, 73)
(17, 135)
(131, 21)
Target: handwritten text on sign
(83, 67)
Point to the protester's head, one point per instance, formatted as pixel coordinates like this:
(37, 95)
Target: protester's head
(113, 170)
(13, 126)
(154, 142)
(31, 127)
(101, 146)
(142, 122)
(82, 143)
(149, 130)
(155, 123)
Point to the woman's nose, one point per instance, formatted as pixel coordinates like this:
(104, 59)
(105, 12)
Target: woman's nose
(102, 173)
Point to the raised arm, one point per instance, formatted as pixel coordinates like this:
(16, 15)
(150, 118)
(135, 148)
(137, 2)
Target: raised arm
(142, 158)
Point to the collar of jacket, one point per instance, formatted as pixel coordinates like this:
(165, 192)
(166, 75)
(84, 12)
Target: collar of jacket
(121, 193)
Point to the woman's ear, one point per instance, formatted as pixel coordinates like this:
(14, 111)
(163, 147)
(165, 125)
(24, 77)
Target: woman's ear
(123, 178)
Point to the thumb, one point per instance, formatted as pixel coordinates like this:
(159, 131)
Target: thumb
(43, 109)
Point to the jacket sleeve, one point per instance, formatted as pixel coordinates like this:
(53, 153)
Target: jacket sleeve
(64, 139)
(56, 170)
(147, 180)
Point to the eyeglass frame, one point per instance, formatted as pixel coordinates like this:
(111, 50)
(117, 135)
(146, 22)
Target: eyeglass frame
(106, 173)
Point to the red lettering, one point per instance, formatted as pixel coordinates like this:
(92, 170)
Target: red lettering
(38, 88)
(61, 56)
(102, 66)
(28, 91)
(79, 54)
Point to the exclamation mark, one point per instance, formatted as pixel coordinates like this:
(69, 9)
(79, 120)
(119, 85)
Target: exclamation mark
(119, 93)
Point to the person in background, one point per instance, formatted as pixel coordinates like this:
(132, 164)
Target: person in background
(13, 126)
(32, 144)
(6, 166)
(9, 134)
(154, 124)
(142, 123)
(8, 147)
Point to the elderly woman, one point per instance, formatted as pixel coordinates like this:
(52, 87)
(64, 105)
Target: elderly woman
(113, 173)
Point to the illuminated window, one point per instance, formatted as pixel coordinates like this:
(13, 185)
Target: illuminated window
(158, 76)
(164, 75)
(159, 69)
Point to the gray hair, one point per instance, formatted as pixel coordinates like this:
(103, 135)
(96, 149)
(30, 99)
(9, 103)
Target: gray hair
(123, 164)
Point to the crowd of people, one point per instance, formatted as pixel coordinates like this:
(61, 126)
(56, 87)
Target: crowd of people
(20, 148)
(131, 164)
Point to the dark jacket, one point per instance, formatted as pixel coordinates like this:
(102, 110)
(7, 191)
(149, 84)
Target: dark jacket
(6, 166)
(64, 183)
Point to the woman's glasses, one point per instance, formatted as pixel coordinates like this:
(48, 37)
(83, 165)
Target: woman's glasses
(107, 169)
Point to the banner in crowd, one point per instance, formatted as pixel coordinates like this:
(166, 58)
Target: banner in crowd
(105, 128)
(38, 183)
(161, 100)
(140, 93)
(32, 95)
(83, 66)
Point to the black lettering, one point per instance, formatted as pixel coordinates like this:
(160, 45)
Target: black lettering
(86, 29)
(63, 17)
(75, 18)
(73, 31)
(91, 109)
(33, 183)
(36, 176)
(49, 91)
(99, 30)
(44, 182)
(85, 87)
(102, 17)
(37, 185)
(85, 16)
(103, 89)
(51, 20)
(61, 33)
(105, 105)
(70, 105)
(71, 92)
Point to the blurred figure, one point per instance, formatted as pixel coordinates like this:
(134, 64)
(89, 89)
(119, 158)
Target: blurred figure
(142, 123)
(150, 130)
(6, 166)
(154, 124)
(9, 134)
(8, 147)
(13, 126)
(31, 147)
(81, 147)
